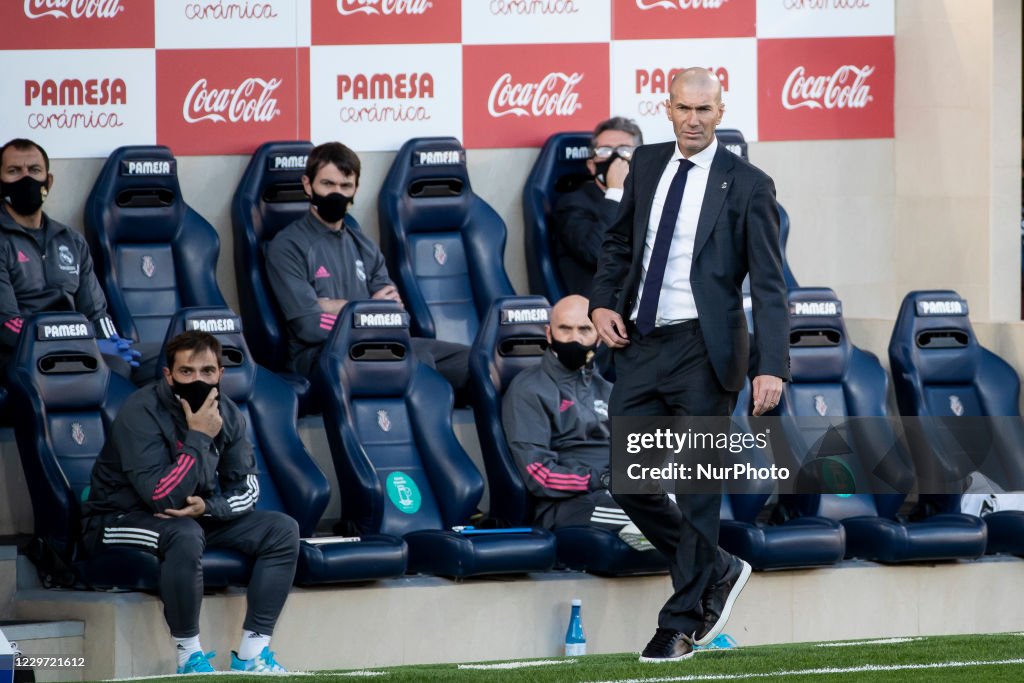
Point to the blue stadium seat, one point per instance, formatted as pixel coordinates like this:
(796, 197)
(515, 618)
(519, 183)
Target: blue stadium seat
(400, 468)
(268, 198)
(799, 542)
(942, 373)
(560, 168)
(833, 380)
(64, 399)
(509, 341)
(289, 480)
(153, 253)
(443, 244)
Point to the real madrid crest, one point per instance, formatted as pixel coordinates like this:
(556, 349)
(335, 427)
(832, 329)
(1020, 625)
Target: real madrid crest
(383, 421)
(148, 267)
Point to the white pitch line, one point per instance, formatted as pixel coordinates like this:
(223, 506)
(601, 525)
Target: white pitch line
(518, 665)
(880, 641)
(815, 672)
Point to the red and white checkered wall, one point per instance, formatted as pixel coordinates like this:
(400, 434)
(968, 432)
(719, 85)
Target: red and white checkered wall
(221, 76)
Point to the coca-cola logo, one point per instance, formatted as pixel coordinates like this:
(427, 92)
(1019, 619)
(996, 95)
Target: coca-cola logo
(73, 9)
(825, 4)
(680, 4)
(199, 11)
(383, 7)
(846, 88)
(531, 7)
(250, 102)
(554, 95)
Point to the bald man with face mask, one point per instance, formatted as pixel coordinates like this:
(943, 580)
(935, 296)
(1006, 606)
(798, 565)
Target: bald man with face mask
(555, 416)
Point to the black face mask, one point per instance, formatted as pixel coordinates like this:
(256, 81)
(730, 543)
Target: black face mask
(25, 195)
(572, 355)
(602, 167)
(331, 207)
(194, 393)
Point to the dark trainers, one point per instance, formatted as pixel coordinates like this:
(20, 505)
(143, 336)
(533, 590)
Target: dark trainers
(719, 599)
(667, 645)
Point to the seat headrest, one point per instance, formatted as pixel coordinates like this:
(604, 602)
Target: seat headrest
(818, 345)
(935, 329)
(815, 308)
(239, 367)
(562, 164)
(512, 335)
(733, 140)
(272, 185)
(371, 343)
(59, 352)
(430, 168)
(519, 318)
(139, 183)
(935, 310)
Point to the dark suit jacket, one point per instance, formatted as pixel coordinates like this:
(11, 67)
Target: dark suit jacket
(737, 232)
(579, 222)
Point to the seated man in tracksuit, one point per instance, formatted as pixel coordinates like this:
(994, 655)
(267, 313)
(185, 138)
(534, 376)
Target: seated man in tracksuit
(555, 416)
(177, 475)
(44, 264)
(318, 264)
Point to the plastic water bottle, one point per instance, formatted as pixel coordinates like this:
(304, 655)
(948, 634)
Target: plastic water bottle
(575, 640)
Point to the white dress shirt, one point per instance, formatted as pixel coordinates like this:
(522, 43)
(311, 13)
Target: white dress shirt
(676, 304)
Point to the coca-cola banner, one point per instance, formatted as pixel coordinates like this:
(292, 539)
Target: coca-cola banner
(244, 23)
(409, 91)
(229, 101)
(88, 102)
(490, 22)
(825, 88)
(68, 24)
(371, 22)
(633, 19)
(824, 18)
(518, 95)
(643, 69)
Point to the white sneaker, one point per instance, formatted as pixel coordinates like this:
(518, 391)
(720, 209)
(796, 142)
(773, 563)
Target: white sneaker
(634, 538)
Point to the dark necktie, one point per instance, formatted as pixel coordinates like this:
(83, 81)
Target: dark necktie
(648, 311)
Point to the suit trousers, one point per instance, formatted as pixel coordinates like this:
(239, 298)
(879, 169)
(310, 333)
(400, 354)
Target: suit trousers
(668, 372)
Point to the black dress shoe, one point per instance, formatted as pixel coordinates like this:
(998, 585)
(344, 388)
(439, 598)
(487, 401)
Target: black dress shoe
(667, 645)
(719, 599)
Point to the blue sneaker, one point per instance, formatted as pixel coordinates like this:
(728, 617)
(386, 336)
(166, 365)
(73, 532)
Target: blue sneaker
(198, 663)
(723, 642)
(264, 662)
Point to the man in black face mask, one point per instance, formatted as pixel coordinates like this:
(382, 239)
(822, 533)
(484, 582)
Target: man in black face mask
(317, 264)
(555, 416)
(44, 264)
(177, 475)
(581, 217)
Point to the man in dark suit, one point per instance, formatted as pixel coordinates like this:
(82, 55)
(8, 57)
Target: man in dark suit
(582, 216)
(694, 220)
